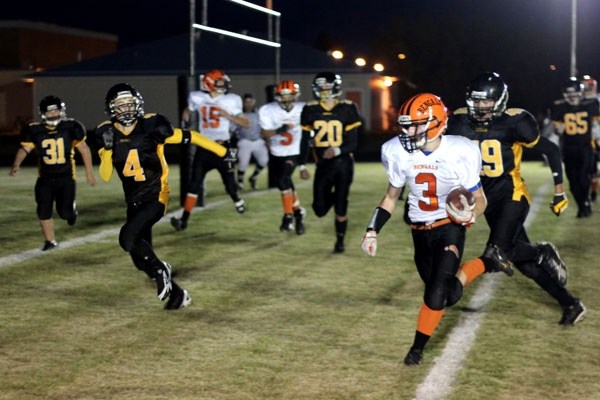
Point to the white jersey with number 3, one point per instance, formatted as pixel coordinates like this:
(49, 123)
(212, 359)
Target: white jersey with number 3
(212, 124)
(271, 117)
(456, 162)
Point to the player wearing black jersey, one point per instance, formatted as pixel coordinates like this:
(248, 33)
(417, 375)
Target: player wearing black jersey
(574, 119)
(54, 140)
(132, 143)
(330, 126)
(501, 134)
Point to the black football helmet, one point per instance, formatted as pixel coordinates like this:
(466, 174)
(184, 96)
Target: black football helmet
(124, 113)
(327, 85)
(572, 91)
(487, 86)
(51, 103)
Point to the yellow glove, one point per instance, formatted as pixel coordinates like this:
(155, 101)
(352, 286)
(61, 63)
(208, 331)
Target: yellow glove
(559, 204)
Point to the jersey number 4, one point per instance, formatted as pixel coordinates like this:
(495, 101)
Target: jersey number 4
(133, 166)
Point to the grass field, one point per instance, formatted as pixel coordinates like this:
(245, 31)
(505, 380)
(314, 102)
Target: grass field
(274, 315)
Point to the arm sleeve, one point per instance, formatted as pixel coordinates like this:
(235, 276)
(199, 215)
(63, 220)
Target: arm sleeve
(551, 151)
(303, 158)
(197, 139)
(106, 165)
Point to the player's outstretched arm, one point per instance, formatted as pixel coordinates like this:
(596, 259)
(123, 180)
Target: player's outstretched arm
(197, 139)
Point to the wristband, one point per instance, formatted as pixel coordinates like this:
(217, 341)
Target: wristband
(378, 219)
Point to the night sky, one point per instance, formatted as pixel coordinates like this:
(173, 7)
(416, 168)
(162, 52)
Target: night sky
(519, 38)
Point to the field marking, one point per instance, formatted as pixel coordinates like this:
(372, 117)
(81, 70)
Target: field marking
(438, 383)
(94, 237)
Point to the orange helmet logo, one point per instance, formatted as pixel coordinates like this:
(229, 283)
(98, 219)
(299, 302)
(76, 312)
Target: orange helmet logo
(427, 115)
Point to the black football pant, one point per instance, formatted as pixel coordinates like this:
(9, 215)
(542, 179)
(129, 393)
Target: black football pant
(283, 168)
(331, 186)
(436, 264)
(506, 219)
(579, 168)
(135, 236)
(204, 162)
(59, 190)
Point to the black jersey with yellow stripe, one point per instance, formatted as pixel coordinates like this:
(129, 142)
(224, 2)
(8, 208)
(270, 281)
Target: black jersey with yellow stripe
(138, 157)
(54, 145)
(577, 120)
(335, 127)
(501, 142)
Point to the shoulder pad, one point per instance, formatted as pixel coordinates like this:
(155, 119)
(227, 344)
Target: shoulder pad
(346, 101)
(104, 123)
(514, 111)
(312, 103)
(559, 102)
(460, 111)
(149, 115)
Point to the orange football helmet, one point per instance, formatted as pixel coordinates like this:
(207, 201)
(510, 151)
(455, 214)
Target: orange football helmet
(215, 81)
(422, 118)
(286, 93)
(590, 87)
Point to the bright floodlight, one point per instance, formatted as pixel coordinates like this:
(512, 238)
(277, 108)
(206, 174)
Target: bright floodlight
(378, 67)
(361, 62)
(337, 54)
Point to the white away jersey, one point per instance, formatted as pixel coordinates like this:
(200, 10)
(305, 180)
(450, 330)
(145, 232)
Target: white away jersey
(271, 117)
(456, 162)
(211, 123)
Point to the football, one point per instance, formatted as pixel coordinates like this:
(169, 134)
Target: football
(454, 197)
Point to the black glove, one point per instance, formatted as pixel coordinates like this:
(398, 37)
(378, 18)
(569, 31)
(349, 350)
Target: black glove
(231, 155)
(108, 139)
(559, 204)
(282, 129)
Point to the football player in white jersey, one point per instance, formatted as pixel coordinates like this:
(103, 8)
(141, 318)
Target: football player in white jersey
(217, 110)
(280, 125)
(431, 165)
(250, 144)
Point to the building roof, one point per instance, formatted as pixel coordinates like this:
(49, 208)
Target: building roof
(171, 56)
(52, 28)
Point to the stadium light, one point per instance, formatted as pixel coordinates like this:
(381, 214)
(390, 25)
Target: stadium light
(337, 54)
(378, 67)
(361, 62)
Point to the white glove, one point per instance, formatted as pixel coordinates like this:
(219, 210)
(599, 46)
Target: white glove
(369, 243)
(466, 216)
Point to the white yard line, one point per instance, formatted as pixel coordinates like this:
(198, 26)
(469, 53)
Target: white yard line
(112, 232)
(438, 383)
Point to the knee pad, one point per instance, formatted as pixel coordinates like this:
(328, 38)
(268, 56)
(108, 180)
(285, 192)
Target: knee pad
(455, 292)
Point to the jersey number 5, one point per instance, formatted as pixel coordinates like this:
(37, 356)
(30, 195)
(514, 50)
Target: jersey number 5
(211, 118)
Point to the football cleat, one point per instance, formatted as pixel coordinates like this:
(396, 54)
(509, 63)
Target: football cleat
(495, 261)
(71, 221)
(573, 314)
(178, 223)
(240, 206)
(50, 245)
(339, 245)
(252, 181)
(413, 357)
(550, 261)
(163, 281)
(287, 223)
(299, 220)
(179, 298)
